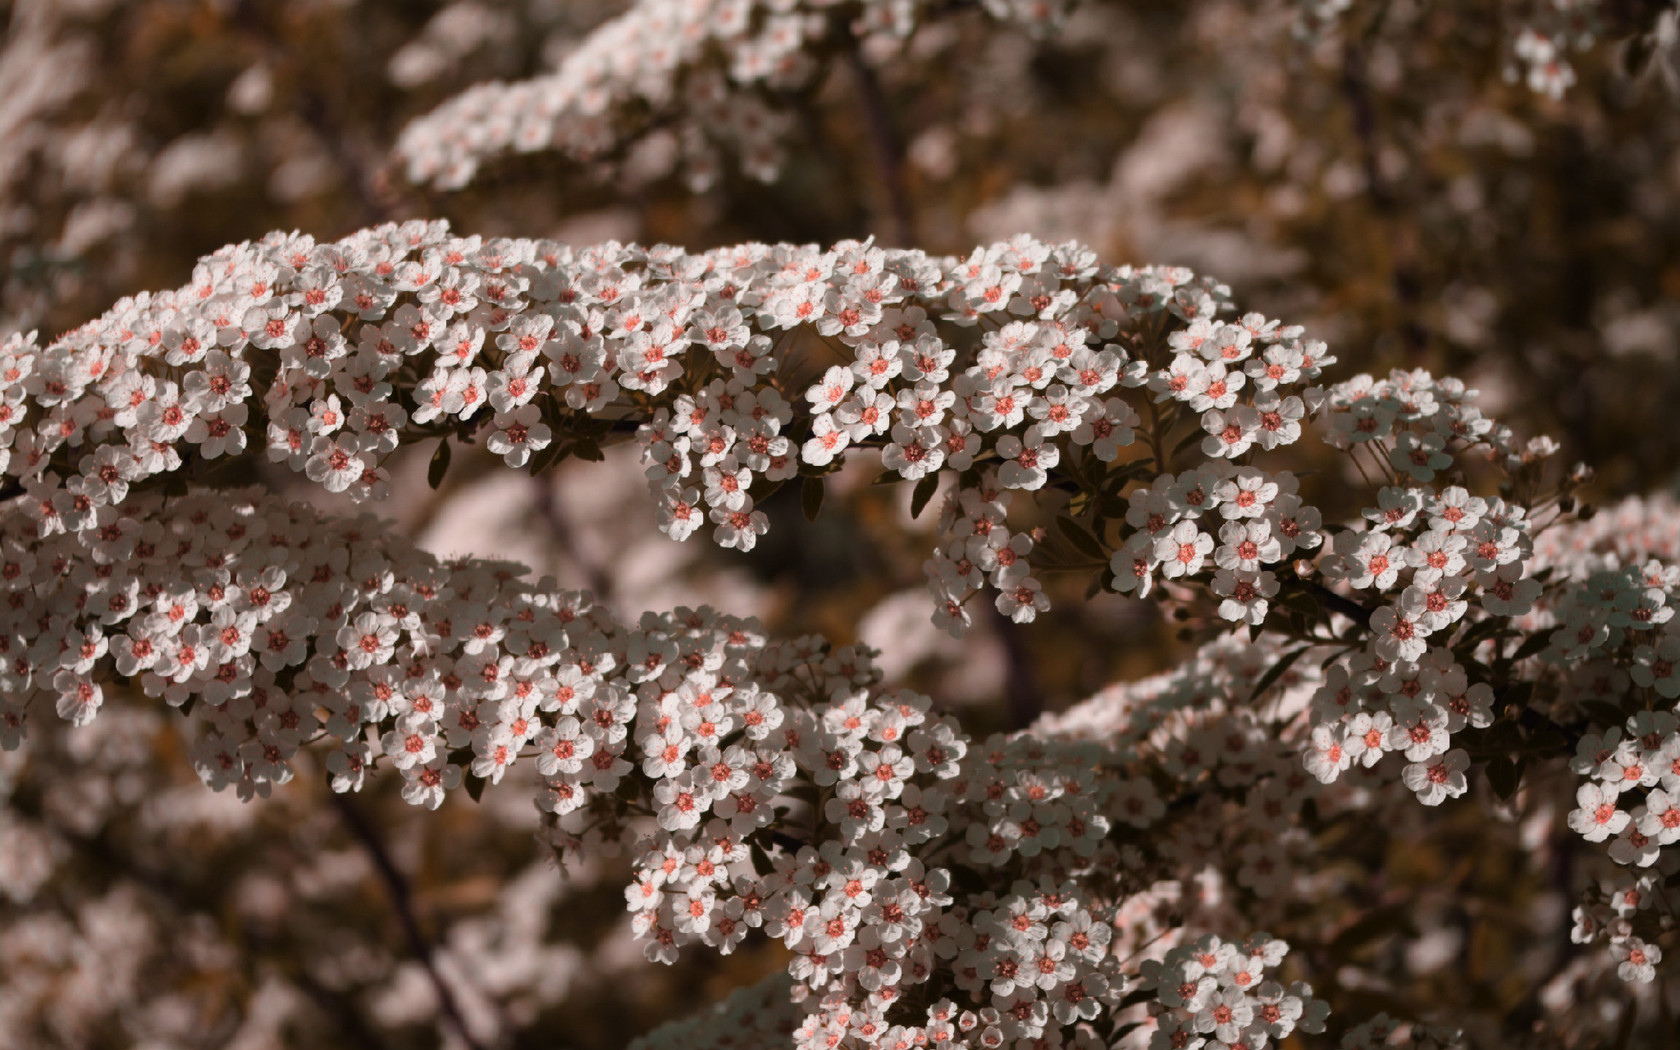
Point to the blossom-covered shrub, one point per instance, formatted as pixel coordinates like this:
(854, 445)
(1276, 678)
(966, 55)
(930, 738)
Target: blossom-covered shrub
(927, 885)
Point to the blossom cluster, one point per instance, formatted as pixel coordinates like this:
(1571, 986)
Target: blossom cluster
(1216, 994)
(1539, 35)
(1428, 551)
(327, 358)
(712, 69)
(710, 61)
(759, 786)
(928, 886)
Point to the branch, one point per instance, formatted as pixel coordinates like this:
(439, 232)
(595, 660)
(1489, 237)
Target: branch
(884, 150)
(402, 904)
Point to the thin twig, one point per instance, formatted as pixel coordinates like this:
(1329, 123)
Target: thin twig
(1020, 688)
(565, 538)
(402, 903)
(883, 142)
(1402, 253)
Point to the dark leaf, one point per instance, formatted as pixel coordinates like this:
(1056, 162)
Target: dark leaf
(1276, 672)
(811, 497)
(1503, 735)
(925, 489)
(587, 449)
(475, 787)
(1533, 645)
(1379, 923)
(1602, 712)
(546, 458)
(439, 464)
(1082, 540)
(1188, 440)
(1502, 776)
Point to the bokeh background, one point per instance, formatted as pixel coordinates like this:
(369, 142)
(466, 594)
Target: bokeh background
(1389, 181)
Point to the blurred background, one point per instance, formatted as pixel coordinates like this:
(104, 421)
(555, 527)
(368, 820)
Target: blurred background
(1387, 178)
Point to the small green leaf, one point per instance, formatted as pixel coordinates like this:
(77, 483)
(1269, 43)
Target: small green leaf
(925, 489)
(475, 787)
(811, 497)
(439, 464)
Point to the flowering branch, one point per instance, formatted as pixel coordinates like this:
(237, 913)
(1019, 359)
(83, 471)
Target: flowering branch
(929, 885)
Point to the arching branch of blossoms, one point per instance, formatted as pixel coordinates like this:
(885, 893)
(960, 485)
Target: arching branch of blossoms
(712, 63)
(712, 69)
(1023, 367)
(777, 785)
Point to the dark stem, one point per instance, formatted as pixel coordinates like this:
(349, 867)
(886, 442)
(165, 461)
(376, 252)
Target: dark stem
(1020, 688)
(1402, 247)
(565, 538)
(883, 142)
(402, 904)
(1337, 603)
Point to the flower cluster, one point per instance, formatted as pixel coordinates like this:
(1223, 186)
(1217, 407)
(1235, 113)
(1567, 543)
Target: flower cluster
(327, 358)
(928, 888)
(1216, 994)
(710, 62)
(713, 70)
(1429, 551)
(1540, 36)
(759, 786)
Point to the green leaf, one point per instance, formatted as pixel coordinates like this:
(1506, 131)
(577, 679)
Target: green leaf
(1082, 540)
(439, 464)
(811, 497)
(925, 489)
(475, 787)
(1503, 776)
(1276, 672)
